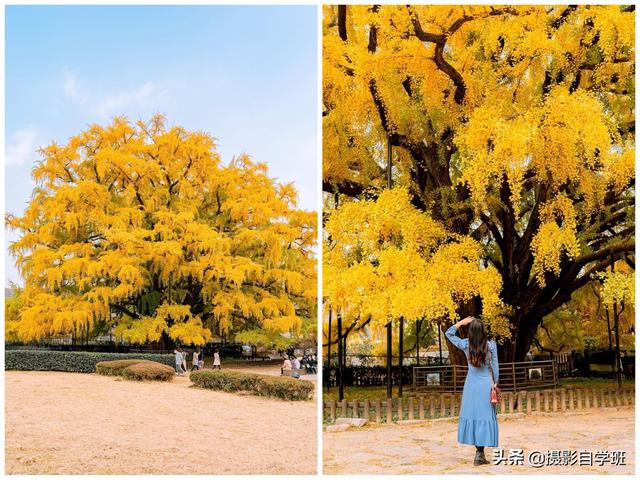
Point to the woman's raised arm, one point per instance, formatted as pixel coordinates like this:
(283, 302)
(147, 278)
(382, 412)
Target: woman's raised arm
(461, 343)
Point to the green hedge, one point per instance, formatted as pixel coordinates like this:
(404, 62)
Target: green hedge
(149, 371)
(286, 388)
(84, 362)
(113, 368)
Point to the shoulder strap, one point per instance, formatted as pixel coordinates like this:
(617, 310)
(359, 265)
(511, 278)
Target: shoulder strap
(490, 367)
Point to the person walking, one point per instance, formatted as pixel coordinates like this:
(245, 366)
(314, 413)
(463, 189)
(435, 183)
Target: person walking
(216, 361)
(200, 359)
(195, 363)
(184, 360)
(178, 355)
(477, 423)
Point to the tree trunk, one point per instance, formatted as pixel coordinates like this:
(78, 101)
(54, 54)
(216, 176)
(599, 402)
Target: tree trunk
(515, 349)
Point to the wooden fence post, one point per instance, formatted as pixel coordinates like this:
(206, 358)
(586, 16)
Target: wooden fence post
(570, 398)
(538, 409)
(454, 378)
(410, 408)
(332, 410)
(563, 400)
(610, 397)
(510, 402)
(432, 407)
(378, 411)
(400, 409)
(366, 410)
(443, 408)
(546, 400)
(389, 410)
(587, 399)
(519, 409)
(421, 408)
(502, 403)
(354, 409)
(555, 401)
(578, 398)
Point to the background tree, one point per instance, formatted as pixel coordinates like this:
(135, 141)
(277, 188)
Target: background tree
(12, 307)
(142, 226)
(512, 125)
(582, 321)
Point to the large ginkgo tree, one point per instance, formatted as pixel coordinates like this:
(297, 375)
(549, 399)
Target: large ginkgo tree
(513, 125)
(140, 225)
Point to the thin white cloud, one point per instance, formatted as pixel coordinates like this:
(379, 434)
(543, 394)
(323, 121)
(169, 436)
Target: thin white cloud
(117, 103)
(107, 104)
(21, 147)
(72, 89)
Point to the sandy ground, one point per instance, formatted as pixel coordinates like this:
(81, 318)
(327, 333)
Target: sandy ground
(68, 423)
(431, 447)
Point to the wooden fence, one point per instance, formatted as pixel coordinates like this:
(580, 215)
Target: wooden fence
(565, 362)
(533, 375)
(442, 405)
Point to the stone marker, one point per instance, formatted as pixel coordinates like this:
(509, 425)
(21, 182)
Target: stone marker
(350, 421)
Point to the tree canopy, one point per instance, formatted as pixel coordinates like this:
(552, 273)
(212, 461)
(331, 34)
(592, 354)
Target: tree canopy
(142, 225)
(512, 125)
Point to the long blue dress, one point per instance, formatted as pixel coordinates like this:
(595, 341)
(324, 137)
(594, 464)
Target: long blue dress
(477, 424)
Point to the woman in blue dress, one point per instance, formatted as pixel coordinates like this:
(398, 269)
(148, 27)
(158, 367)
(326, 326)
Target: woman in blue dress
(477, 424)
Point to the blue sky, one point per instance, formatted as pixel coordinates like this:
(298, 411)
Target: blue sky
(245, 74)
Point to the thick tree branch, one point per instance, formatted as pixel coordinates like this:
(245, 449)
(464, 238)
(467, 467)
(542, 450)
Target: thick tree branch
(342, 22)
(346, 187)
(440, 41)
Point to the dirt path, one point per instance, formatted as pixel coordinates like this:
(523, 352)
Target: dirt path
(431, 448)
(68, 423)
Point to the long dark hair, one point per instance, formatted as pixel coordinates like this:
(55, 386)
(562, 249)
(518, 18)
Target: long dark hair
(477, 343)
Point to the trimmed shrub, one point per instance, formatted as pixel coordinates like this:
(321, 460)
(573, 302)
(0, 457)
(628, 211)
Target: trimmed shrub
(115, 367)
(148, 371)
(286, 388)
(83, 362)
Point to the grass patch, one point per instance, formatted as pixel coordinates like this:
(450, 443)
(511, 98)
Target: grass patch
(286, 388)
(587, 382)
(364, 393)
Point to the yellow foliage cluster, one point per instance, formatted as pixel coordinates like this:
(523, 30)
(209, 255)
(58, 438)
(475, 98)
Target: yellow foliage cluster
(125, 210)
(383, 259)
(557, 236)
(501, 52)
(618, 287)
